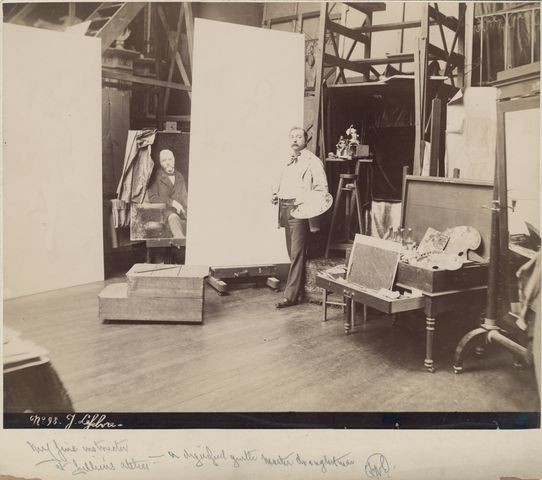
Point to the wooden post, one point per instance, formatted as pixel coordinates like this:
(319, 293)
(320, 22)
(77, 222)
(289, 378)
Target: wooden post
(461, 31)
(157, 68)
(420, 89)
(313, 145)
(436, 138)
(367, 46)
(468, 40)
(402, 41)
(172, 57)
(500, 187)
(71, 13)
(178, 60)
(189, 23)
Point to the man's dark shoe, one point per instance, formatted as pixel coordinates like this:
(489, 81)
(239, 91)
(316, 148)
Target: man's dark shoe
(285, 303)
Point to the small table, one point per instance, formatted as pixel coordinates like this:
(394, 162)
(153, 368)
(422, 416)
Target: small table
(433, 304)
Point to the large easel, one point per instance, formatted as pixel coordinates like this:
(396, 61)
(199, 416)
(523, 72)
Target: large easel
(498, 298)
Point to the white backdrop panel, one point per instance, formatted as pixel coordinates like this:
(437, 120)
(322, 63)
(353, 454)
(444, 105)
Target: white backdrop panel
(247, 93)
(52, 195)
(522, 130)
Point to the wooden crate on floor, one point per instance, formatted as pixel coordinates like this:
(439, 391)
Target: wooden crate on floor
(150, 280)
(156, 293)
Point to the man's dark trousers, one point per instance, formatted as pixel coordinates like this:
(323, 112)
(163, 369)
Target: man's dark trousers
(297, 237)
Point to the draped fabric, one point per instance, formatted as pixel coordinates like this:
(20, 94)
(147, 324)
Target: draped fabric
(529, 319)
(504, 40)
(383, 216)
(136, 173)
(138, 165)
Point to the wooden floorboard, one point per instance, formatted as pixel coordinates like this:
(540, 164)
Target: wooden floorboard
(248, 357)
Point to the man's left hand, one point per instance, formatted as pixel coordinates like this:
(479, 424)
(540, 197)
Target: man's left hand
(177, 206)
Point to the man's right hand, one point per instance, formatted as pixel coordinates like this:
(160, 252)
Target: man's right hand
(274, 199)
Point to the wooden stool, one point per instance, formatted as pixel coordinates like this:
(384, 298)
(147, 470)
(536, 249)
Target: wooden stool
(348, 183)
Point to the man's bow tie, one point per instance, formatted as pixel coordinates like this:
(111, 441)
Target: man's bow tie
(293, 158)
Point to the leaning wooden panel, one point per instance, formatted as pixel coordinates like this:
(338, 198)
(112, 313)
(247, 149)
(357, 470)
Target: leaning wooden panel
(115, 304)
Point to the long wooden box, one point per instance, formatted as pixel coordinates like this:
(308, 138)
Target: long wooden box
(442, 280)
(116, 304)
(159, 281)
(371, 299)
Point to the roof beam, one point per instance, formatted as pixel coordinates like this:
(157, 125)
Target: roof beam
(347, 32)
(171, 42)
(153, 82)
(451, 22)
(367, 7)
(385, 27)
(20, 16)
(118, 22)
(345, 64)
(453, 58)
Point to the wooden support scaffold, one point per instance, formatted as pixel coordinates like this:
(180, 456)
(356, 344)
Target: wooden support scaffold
(338, 42)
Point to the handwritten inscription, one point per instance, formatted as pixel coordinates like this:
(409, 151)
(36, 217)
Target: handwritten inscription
(73, 420)
(208, 456)
(101, 456)
(377, 466)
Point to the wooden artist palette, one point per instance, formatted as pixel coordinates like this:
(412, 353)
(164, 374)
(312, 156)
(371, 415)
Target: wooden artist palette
(315, 204)
(461, 240)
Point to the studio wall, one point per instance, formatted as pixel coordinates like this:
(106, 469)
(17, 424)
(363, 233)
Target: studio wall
(522, 130)
(471, 133)
(52, 178)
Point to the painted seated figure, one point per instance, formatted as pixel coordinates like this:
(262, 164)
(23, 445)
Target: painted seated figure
(169, 187)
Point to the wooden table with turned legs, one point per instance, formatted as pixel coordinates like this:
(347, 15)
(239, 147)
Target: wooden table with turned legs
(432, 304)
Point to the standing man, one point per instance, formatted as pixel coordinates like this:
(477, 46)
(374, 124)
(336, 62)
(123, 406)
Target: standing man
(169, 187)
(302, 174)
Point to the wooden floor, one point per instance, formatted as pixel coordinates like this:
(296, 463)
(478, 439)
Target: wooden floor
(248, 356)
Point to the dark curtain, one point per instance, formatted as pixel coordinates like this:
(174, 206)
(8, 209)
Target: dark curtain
(489, 41)
(384, 118)
(393, 149)
(519, 46)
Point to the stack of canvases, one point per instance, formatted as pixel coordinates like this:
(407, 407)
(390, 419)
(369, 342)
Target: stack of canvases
(159, 293)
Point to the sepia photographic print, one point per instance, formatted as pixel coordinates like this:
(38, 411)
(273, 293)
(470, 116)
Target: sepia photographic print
(269, 216)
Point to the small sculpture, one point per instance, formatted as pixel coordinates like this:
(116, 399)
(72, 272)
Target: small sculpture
(353, 134)
(347, 146)
(119, 42)
(341, 147)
